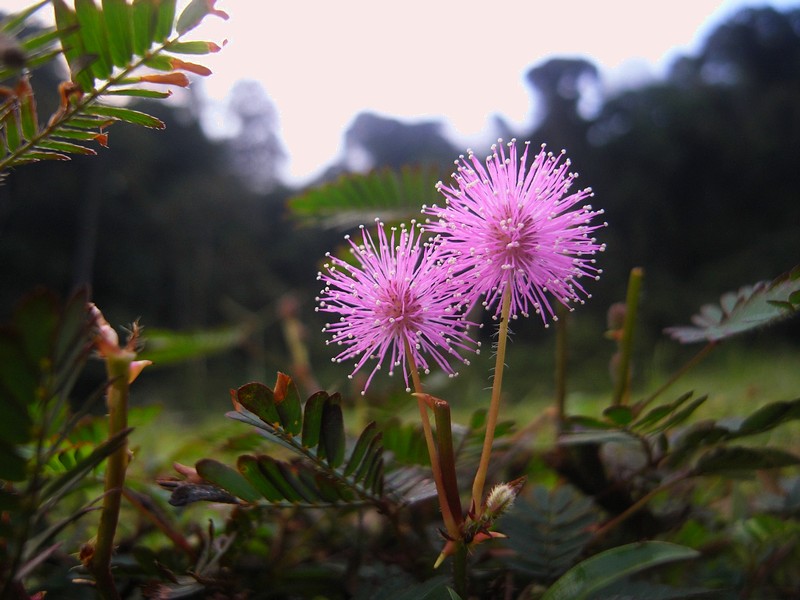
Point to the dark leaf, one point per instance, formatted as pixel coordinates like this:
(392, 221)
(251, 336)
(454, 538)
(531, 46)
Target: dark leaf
(332, 433)
(287, 403)
(249, 467)
(754, 306)
(547, 531)
(724, 460)
(362, 445)
(768, 417)
(259, 400)
(680, 416)
(601, 570)
(658, 413)
(619, 415)
(597, 437)
(187, 493)
(312, 419)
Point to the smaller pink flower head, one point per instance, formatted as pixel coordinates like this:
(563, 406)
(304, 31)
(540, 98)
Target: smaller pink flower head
(399, 292)
(507, 224)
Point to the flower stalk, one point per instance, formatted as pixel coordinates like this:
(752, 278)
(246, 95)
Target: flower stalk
(494, 405)
(121, 368)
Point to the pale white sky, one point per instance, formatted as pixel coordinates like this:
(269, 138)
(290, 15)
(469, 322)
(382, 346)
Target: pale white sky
(462, 61)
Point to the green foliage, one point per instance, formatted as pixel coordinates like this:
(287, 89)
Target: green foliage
(323, 473)
(548, 532)
(357, 198)
(750, 308)
(42, 352)
(165, 347)
(104, 46)
(596, 573)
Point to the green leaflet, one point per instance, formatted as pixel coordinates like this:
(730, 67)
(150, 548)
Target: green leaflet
(128, 115)
(95, 37)
(320, 474)
(117, 15)
(143, 21)
(357, 198)
(103, 44)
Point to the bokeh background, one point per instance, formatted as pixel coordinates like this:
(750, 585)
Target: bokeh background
(695, 164)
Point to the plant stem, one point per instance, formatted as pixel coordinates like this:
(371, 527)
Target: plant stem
(494, 405)
(447, 459)
(460, 578)
(621, 389)
(117, 368)
(451, 522)
(561, 367)
(634, 508)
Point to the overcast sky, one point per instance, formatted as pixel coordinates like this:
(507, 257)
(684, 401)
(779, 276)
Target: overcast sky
(462, 61)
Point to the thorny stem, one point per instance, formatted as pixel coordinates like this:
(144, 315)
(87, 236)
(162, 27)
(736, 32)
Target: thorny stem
(117, 368)
(494, 405)
(450, 520)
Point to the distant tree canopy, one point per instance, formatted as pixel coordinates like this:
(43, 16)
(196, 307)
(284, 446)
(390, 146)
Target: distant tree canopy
(697, 175)
(385, 142)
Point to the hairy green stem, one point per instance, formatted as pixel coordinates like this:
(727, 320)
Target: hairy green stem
(494, 405)
(118, 369)
(621, 389)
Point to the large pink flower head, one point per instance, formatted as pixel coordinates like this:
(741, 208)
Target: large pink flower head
(506, 224)
(399, 293)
